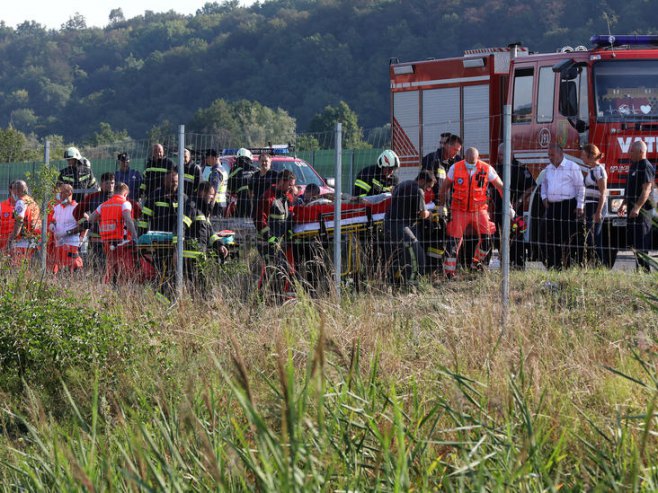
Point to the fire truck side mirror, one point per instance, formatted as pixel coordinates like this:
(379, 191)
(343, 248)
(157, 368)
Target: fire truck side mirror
(568, 98)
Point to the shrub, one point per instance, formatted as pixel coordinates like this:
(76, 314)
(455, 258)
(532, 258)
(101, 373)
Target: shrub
(46, 331)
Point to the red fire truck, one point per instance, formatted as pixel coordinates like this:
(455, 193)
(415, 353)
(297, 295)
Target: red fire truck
(606, 95)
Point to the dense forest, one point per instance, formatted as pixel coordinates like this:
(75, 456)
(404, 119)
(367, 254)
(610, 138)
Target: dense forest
(293, 56)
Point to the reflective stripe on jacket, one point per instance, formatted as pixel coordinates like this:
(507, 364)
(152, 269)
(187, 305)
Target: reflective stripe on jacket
(469, 193)
(111, 222)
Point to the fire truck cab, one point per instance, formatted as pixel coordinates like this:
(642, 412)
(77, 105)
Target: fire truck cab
(606, 95)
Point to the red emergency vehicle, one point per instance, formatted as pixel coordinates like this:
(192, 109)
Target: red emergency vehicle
(606, 95)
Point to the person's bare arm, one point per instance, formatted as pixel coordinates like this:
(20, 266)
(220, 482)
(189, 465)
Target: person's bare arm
(603, 189)
(644, 196)
(130, 224)
(444, 190)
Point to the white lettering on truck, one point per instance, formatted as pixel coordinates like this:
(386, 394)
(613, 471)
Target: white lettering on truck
(625, 143)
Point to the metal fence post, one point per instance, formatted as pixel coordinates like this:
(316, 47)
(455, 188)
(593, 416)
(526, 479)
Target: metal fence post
(505, 234)
(180, 232)
(44, 207)
(351, 180)
(337, 208)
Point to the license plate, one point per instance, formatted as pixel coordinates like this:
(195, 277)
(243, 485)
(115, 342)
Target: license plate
(619, 222)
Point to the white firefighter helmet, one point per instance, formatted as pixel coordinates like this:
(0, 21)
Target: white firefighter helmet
(388, 159)
(72, 153)
(244, 153)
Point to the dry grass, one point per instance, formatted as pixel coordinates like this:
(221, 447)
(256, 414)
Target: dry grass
(554, 352)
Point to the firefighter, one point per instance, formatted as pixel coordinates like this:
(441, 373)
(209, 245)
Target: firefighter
(192, 174)
(378, 178)
(439, 162)
(23, 240)
(202, 239)
(7, 218)
(262, 180)
(78, 174)
(238, 181)
(273, 220)
(401, 224)
(469, 179)
(154, 171)
(117, 232)
(160, 213)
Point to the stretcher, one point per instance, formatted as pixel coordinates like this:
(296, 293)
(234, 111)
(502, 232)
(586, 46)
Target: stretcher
(318, 218)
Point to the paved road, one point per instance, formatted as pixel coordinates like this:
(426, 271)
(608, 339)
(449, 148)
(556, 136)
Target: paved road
(625, 262)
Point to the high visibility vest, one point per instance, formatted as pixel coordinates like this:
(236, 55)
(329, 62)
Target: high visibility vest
(6, 221)
(111, 221)
(31, 222)
(469, 193)
(223, 187)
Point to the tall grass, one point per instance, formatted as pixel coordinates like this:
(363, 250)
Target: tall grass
(416, 392)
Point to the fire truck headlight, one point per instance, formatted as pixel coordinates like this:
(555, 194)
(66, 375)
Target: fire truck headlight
(615, 204)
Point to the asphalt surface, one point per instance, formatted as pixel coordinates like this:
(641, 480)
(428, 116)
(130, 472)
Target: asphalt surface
(625, 262)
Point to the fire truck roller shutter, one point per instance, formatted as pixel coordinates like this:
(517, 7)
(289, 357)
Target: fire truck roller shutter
(476, 118)
(440, 114)
(405, 112)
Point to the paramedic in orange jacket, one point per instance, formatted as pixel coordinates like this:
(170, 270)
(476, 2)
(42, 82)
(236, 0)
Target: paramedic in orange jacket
(25, 237)
(469, 179)
(6, 218)
(117, 231)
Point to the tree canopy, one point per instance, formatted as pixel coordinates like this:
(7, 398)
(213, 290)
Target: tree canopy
(297, 55)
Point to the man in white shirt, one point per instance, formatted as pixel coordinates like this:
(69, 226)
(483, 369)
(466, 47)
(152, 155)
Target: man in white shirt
(65, 229)
(563, 195)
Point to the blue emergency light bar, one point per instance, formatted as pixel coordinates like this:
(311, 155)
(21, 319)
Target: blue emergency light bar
(609, 40)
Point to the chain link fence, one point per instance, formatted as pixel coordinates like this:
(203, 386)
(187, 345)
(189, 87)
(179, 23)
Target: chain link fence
(567, 215)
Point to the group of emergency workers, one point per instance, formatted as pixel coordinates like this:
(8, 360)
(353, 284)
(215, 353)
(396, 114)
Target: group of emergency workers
(419, 234)
(109, 218)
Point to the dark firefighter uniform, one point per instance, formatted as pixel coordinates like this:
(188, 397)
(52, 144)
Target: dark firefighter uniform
(273, 220)
(372, 181)
(154, 174)
(192, 177)
(160, 213)
(81, 178)
(239, 180)
(435, 163)
(199, 243)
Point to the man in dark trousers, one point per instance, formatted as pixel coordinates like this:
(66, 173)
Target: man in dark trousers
(406, 210)
(160, 213)
(637, 206)
(273, 221)
(563, 195)
(521, 185)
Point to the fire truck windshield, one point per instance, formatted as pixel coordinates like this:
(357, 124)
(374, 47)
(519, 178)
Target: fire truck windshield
(626, 90)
